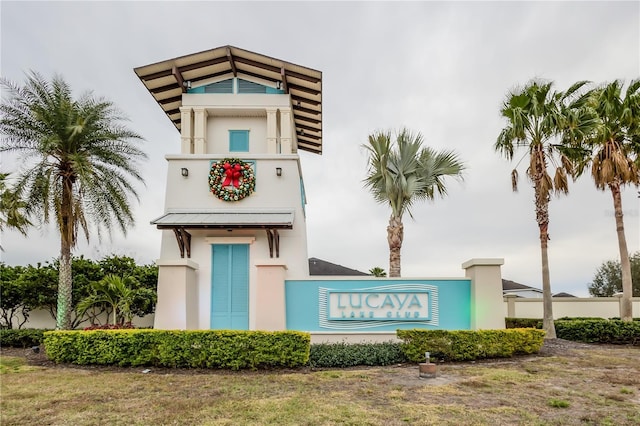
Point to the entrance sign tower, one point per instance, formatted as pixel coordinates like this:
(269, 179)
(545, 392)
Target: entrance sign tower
(233, 227)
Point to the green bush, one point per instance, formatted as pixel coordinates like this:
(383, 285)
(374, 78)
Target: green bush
(180, 349)
(599, 331)
(21, 338)
(523, 323)
(466, 345)
(580, 319)
(340, 355)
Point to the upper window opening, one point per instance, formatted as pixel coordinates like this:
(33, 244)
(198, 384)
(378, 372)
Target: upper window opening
(245, 86)
(225, 86)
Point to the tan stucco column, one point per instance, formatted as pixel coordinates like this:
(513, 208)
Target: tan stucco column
(272, 131)
(286, 131)
(270, 310)
(487, 303)
(177, 307)
(511, 304)
(186, 130)
(200, 130)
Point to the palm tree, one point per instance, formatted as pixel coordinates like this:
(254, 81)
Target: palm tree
(11, 209)
(537, 117)
(114, 291)
(402, 171)
(79, 161)
(616, 161)
(378, 272)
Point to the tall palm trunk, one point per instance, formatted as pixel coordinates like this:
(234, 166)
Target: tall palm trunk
(65, 286)
(542, 217)
(626, 308)
(395, 234)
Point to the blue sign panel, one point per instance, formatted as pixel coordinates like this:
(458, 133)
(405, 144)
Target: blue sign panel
(377, 305)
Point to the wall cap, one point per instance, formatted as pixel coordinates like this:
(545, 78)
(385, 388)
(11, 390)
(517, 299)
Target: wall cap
(482, 262)
(178, 262)
(247, 155)
(275, 262)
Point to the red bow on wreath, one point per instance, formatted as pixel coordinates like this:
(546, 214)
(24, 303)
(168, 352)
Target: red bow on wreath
(232, 174)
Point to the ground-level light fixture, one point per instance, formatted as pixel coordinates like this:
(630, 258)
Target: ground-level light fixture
(184, 171)
(278, 171)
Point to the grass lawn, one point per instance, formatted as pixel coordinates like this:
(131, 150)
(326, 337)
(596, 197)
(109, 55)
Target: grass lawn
(597, 385)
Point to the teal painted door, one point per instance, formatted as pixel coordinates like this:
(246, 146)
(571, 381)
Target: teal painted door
(230, 286)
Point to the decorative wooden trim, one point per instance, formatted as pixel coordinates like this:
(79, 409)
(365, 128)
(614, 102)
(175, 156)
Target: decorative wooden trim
(230, 240)
(184, 241)
(274, 240)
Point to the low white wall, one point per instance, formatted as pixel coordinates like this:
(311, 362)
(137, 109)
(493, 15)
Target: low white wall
(40, 318)
(603, 307)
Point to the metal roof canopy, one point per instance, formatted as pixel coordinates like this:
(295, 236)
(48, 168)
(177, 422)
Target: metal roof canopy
(168, 80)
(270, 221)
(226, 220)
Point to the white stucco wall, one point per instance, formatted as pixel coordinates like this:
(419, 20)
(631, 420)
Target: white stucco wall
(206, 122)
(218, 133)
(42, 319)
(272, 192)
(603, 307)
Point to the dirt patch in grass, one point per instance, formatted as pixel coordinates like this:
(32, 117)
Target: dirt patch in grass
(568, 383)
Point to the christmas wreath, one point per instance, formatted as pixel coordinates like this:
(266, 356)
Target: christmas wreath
(231, 179)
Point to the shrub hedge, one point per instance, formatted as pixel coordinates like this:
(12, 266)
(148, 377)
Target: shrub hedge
(523, 323)
(464, 345)
(342, 354)
(180, 349)
(599, 331)
(537, 322)
(21, 338)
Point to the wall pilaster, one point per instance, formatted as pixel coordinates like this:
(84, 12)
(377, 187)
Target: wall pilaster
(487, 309)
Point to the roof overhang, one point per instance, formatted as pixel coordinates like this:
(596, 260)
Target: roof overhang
(225, 219)
(168, 80)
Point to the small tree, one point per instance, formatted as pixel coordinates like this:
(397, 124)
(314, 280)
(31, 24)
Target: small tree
(12, 300)
(114, 291)
(608, 278)
(378, 272)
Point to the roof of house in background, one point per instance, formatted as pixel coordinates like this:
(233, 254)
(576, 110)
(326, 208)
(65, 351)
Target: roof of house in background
(509, 286)
(168, 80)
(322, 267)
(563, 294)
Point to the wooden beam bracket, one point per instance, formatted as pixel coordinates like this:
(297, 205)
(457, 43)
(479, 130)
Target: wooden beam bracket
(232, 62)
(184, 241)
(274, 241)
(178, 76)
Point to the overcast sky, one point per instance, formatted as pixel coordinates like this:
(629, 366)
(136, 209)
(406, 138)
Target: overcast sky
(441, 68)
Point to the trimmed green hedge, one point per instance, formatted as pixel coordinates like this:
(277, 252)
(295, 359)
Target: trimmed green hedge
(537, 322)
(465, 345)
(599, 331)
(340, 355)
(21, 338)
(523, 323)
(180, 349)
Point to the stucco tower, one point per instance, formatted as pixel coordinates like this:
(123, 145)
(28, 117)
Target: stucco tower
(233, 227)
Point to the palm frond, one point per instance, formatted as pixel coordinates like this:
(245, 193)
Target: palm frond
(79, 146)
